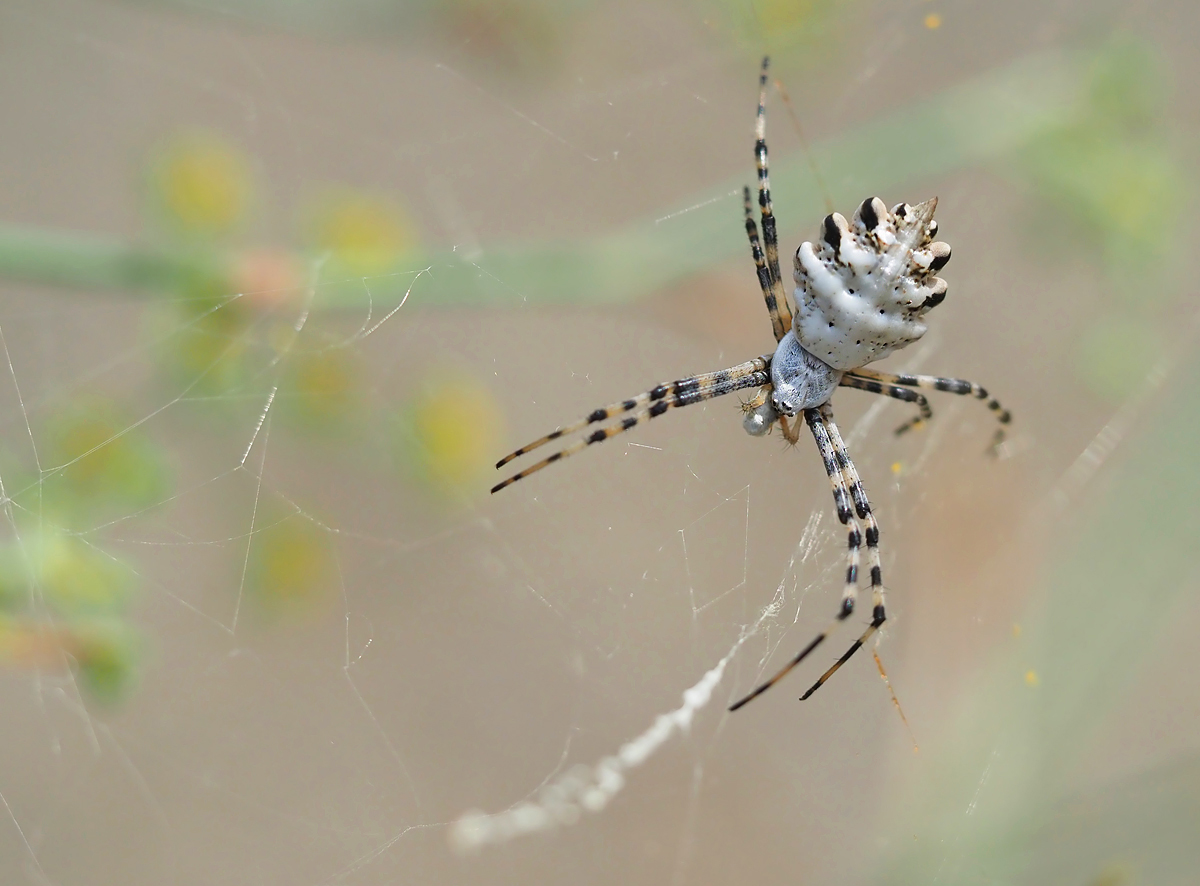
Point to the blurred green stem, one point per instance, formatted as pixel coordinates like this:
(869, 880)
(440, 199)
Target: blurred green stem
(85, 261)
(972, 123)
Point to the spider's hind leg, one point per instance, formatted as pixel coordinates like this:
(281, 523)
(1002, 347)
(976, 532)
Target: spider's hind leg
(872, 386)
(959, 386)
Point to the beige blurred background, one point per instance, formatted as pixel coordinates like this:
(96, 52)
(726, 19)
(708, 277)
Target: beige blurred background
(454, 651)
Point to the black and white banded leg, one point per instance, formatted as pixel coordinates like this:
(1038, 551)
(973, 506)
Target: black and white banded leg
(925, 413)
(770, 237)
(645, 406)
(777, 307)
(862, 507)
(847, 502)
(948, 385)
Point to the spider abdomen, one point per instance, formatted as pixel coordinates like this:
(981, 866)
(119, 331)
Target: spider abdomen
(864, 287)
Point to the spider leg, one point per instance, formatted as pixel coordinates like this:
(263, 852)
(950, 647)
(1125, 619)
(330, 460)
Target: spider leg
(758, 399)
(843, 494)
(791, 433)
(950, 386)
(863, 507)
(781, 318)
(671, 395)
(769, 235)
(872, 386)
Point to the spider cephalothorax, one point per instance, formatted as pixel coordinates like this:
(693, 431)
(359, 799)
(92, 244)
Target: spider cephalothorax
(864, 287)
(861, 293)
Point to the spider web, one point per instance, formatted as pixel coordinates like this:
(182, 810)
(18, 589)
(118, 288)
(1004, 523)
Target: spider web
(339, 645)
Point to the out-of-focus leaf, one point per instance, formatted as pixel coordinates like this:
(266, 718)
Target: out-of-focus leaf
(100, 460)
(59, 570)
(107, 653)
(1108, 169)
(203, 346)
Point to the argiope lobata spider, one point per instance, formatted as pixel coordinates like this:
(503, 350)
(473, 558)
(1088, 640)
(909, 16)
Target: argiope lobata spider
(862, 292)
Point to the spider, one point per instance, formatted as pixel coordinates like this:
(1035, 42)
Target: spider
(862, 291)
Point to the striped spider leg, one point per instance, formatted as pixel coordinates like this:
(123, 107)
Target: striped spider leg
(770, 279)
(873, 386)
(885, 383)
(645, 406)
(852, 507)
(846, 484)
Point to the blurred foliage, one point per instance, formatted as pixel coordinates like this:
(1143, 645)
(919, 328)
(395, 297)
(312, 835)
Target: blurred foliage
(323, 390)
(1107, 182)
(793, 32)
(64, 598)
(230, 327)
(979, 121)
(105, 651)
(99, 464)
(68, 576)
(1108, 167)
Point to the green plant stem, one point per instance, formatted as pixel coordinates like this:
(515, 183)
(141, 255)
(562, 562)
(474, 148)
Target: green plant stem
(975, 122)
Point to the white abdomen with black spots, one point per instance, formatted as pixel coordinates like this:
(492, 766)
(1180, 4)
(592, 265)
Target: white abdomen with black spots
(863, 289)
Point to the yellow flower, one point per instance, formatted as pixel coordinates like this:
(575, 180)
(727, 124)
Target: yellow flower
(322, 387)
(365, 234)
(291, 564)
(451, 433)
(202, 183)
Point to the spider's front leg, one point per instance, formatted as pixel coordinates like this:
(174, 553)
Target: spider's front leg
(645, 406)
